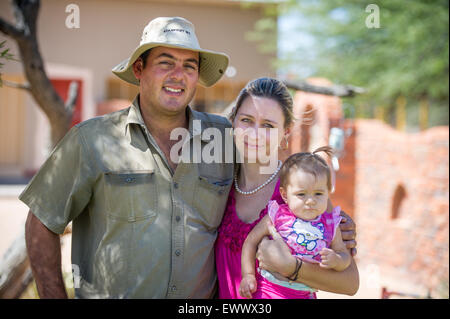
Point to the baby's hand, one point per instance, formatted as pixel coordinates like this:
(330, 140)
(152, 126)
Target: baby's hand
(248, 286)
(330, 258)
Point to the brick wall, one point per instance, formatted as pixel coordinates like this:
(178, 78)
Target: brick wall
(316, 114)
(394, 185)
(412, 243)
(344, 194)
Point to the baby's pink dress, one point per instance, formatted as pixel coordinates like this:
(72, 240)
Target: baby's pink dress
(305, 238)
(231, 236)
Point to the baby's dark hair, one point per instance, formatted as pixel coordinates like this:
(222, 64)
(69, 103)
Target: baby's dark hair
(308, 162)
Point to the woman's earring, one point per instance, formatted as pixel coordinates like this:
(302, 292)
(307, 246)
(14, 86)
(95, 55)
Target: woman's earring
(286, 144)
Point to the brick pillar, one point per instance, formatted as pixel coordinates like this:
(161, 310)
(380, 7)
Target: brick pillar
(305, 126)
(344, 194)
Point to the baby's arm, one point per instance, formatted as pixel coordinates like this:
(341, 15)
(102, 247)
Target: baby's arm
(338, 257)
(248, 257)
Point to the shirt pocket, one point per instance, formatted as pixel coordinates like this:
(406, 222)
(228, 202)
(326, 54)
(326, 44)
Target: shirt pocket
(131, 196)
(210, 198)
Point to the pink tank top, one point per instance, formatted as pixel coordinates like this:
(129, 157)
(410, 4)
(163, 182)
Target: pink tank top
(306, 238)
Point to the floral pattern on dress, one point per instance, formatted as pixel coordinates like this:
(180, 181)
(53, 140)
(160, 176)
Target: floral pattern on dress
(233, 231)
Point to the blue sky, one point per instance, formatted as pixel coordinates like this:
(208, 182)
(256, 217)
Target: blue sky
(292, 42)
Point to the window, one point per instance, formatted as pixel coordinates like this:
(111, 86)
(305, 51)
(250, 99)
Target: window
(399, 196)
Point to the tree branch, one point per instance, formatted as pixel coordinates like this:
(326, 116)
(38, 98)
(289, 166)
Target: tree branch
(13, 269)
(10, 30)
(16, 85)
(26, 13)
(335, 90)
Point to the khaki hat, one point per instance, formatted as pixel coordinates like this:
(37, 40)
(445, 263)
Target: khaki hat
(174, 32)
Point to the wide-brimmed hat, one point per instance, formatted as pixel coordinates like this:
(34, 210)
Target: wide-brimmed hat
(174, 32)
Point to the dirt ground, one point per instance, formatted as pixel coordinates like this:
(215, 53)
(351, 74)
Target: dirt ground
(13, 214)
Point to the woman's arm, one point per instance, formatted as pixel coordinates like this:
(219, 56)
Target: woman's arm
(275, 256)
(341, 282)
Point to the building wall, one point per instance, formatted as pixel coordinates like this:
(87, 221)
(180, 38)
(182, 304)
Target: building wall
(344, 194)
(406, 236)
(12, 111)
(395, 186)
(316, 114)
(110, 30)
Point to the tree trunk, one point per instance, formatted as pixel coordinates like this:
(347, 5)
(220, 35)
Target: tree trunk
(40, 87)
(42, 90)
(15, 272)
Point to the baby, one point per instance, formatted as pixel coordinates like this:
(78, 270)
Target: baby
(310, 231)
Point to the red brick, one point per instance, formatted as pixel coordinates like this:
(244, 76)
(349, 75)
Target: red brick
(377, 159)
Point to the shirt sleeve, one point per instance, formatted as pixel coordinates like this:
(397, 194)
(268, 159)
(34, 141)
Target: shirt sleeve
(272, 210)
(336, 218)
(62, 187)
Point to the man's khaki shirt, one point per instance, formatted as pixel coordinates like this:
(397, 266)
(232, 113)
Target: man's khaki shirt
(139, 230)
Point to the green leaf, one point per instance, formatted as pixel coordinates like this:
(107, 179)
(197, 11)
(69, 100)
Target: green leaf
(408, 55)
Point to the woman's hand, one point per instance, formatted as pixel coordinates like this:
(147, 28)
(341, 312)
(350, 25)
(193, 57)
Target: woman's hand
(275, 255)
(348, 231)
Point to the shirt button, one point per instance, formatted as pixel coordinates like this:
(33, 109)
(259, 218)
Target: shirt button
(129, 179)
(173, 288)
(177, 218)
(175, 185)
(177, 252)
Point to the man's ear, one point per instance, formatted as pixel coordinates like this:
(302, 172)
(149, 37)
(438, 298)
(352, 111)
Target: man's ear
(283, 194)
(138, 66)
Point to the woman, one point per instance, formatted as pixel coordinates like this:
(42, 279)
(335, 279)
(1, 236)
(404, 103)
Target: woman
(262, 108)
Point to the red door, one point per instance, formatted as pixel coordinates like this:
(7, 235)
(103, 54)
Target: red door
(62, 88)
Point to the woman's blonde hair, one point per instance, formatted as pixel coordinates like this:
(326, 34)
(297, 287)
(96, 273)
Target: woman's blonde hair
(268, 88)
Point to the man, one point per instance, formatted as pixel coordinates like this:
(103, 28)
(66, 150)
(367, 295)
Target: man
(144, 225)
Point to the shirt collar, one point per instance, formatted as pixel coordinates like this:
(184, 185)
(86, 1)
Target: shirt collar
(194, 128)
(134, 115)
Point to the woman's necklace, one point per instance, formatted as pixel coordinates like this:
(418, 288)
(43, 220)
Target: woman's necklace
(260, 186)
